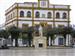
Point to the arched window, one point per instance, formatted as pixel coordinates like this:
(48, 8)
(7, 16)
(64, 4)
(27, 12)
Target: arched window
(64, 15)
(13, 14)
(57, 15)
(28, 14)
(49, 15)
(21, 13)
(9, 16)
(37, 15)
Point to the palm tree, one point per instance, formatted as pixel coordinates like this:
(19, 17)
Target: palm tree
(14, 31)
(73, 37)
(1, 33)
(4, 34)
(65, 31)
(25, 35)
(57, 31)
(73, 33)
(24, 38)
(28, 31)
(50, 33)
(30, 37)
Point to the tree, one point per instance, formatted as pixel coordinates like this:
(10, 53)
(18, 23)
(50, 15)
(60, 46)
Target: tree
(29, 31)
(30, 37)
(14, 31)
(58, 31)
(50, 33)
(4, 34)
(65, 31)
(73, 37)
(73, 33)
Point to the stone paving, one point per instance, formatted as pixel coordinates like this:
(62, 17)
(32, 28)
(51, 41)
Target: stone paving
(37, 52)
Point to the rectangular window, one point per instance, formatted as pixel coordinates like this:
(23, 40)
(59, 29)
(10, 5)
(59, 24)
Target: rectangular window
(24, 26)
(60, 26)
(49, 25)
(11, 16)
(43, 15)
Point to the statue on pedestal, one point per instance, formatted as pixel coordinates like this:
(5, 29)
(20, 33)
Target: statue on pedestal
(40, 40)
(41, 31)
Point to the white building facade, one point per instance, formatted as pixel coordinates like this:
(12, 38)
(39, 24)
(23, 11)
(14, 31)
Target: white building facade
(33, 13)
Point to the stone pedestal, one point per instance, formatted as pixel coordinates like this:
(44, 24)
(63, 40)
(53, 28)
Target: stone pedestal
(39, 42)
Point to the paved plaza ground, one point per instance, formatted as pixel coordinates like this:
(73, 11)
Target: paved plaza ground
(37, 52)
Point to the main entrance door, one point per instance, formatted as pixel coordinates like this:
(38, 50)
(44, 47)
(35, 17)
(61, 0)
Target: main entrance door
(60, 41)
(40, 45)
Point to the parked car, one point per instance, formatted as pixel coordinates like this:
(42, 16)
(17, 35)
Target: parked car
(3, 44)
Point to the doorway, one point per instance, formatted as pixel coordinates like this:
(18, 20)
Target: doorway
(60, 41)
(40, 45)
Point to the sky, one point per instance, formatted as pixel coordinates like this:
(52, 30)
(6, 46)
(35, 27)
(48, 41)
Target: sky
(5, 4)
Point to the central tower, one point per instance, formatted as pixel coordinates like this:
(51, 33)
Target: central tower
(43, 3)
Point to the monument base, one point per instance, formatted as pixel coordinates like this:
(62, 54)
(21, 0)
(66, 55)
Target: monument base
(39, 42)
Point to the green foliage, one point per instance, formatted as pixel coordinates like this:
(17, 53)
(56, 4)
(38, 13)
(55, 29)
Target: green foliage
(27, 34)
(28, 30)
(24, 36)
(14, 31)
(66, 30)
(73, 33)
(4, 33)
